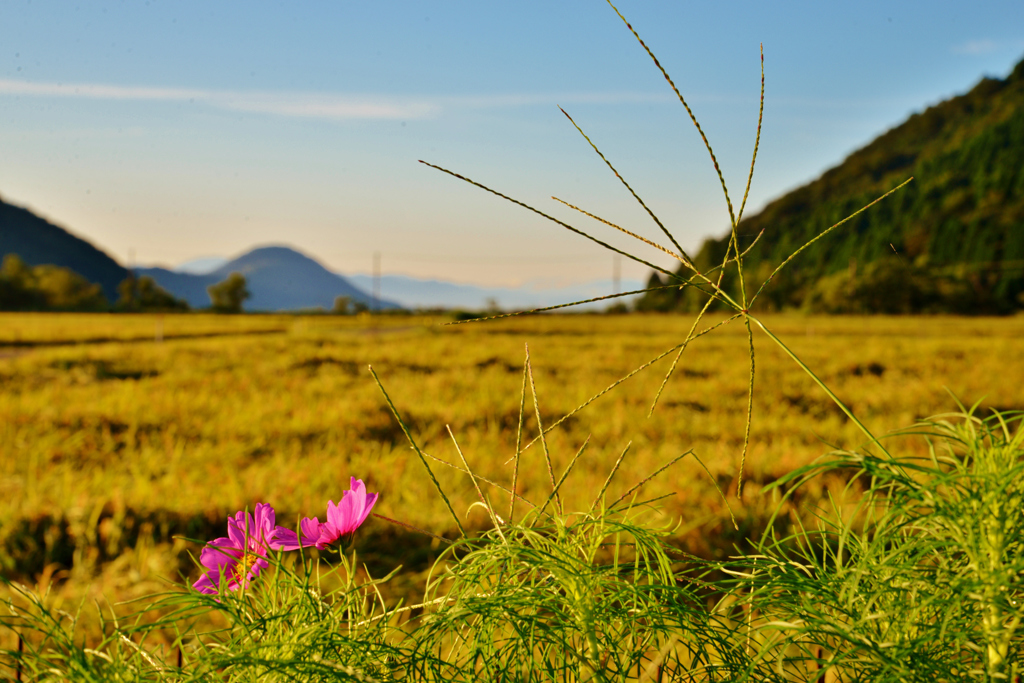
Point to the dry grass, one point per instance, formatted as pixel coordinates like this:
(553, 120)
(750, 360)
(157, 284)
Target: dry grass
(111, 449)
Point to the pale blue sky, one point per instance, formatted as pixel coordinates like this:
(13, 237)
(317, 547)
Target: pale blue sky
(185, 129)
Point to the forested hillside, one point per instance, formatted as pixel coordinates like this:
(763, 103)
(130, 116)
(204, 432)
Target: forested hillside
(952, 240)
(38, 242)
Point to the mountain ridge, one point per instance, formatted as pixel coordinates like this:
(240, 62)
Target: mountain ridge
(959, 223)
(39, 242)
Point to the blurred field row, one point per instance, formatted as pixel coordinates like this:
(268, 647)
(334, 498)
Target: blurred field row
(114, 446)
(45, 329)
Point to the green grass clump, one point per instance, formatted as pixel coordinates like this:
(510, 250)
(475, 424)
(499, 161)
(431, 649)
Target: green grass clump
(581, 597)
(283, 627)
(920, 579)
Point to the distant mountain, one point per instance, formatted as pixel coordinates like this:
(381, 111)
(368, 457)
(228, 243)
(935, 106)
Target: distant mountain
(201, 265)
(956, 233)
(39, 242)
(417, 293)
(279, 278)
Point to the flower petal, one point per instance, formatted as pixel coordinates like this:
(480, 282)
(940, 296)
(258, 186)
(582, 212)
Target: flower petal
(348, 514)
(239, 527)
(329, 529)
(285, 539)
(264, 523)
(219, 553)
(205, 585)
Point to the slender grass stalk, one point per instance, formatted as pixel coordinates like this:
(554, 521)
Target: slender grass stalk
(810, 373)
(632, 373)
(682, 100)
(565, 475)
(757, 145)
(608, 479)
(423, 459)
(682, 347)
(552, 219)
(540, 435)
(519, 442)
(649, 477)
(733, 254)
(682, 256)
(821, 234)
(476, 485)
(750, 410)
(641, 238)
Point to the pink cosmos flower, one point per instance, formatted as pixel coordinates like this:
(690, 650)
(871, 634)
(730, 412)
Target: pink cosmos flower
(342, 519)
(309, 535)
(239, 558)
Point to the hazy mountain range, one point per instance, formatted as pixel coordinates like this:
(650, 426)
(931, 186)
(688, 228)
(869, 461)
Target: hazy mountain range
(278, 277)
(409, 292)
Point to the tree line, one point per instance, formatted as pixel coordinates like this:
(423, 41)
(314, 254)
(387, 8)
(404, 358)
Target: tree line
(55, 288)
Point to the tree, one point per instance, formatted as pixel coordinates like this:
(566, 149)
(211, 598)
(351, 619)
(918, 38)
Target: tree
(144, 294)
(658, 299)
(16, 290)
(342, 304)
(128, 293)
(65, 290)
(46, 287)
(227, 296)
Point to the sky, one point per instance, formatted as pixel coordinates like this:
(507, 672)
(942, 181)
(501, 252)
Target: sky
(168, 131)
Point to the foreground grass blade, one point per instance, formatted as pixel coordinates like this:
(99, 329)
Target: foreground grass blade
(810, 373)
(683, 256)
(552, 219)
(693, 118)
(631, 374)
(519, 439)
(540, 428)
(757, 145)
(423, 459)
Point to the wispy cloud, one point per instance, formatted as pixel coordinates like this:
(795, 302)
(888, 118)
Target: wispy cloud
(531, 100)
(330, 107)
(316, 105)
(97, 91)
(305, 105)
(976, 47)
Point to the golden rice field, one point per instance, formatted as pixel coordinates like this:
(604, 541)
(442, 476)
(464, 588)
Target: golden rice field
(123, 436)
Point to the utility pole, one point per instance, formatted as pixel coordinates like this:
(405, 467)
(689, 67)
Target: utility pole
(617, 273)
(376, 282)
